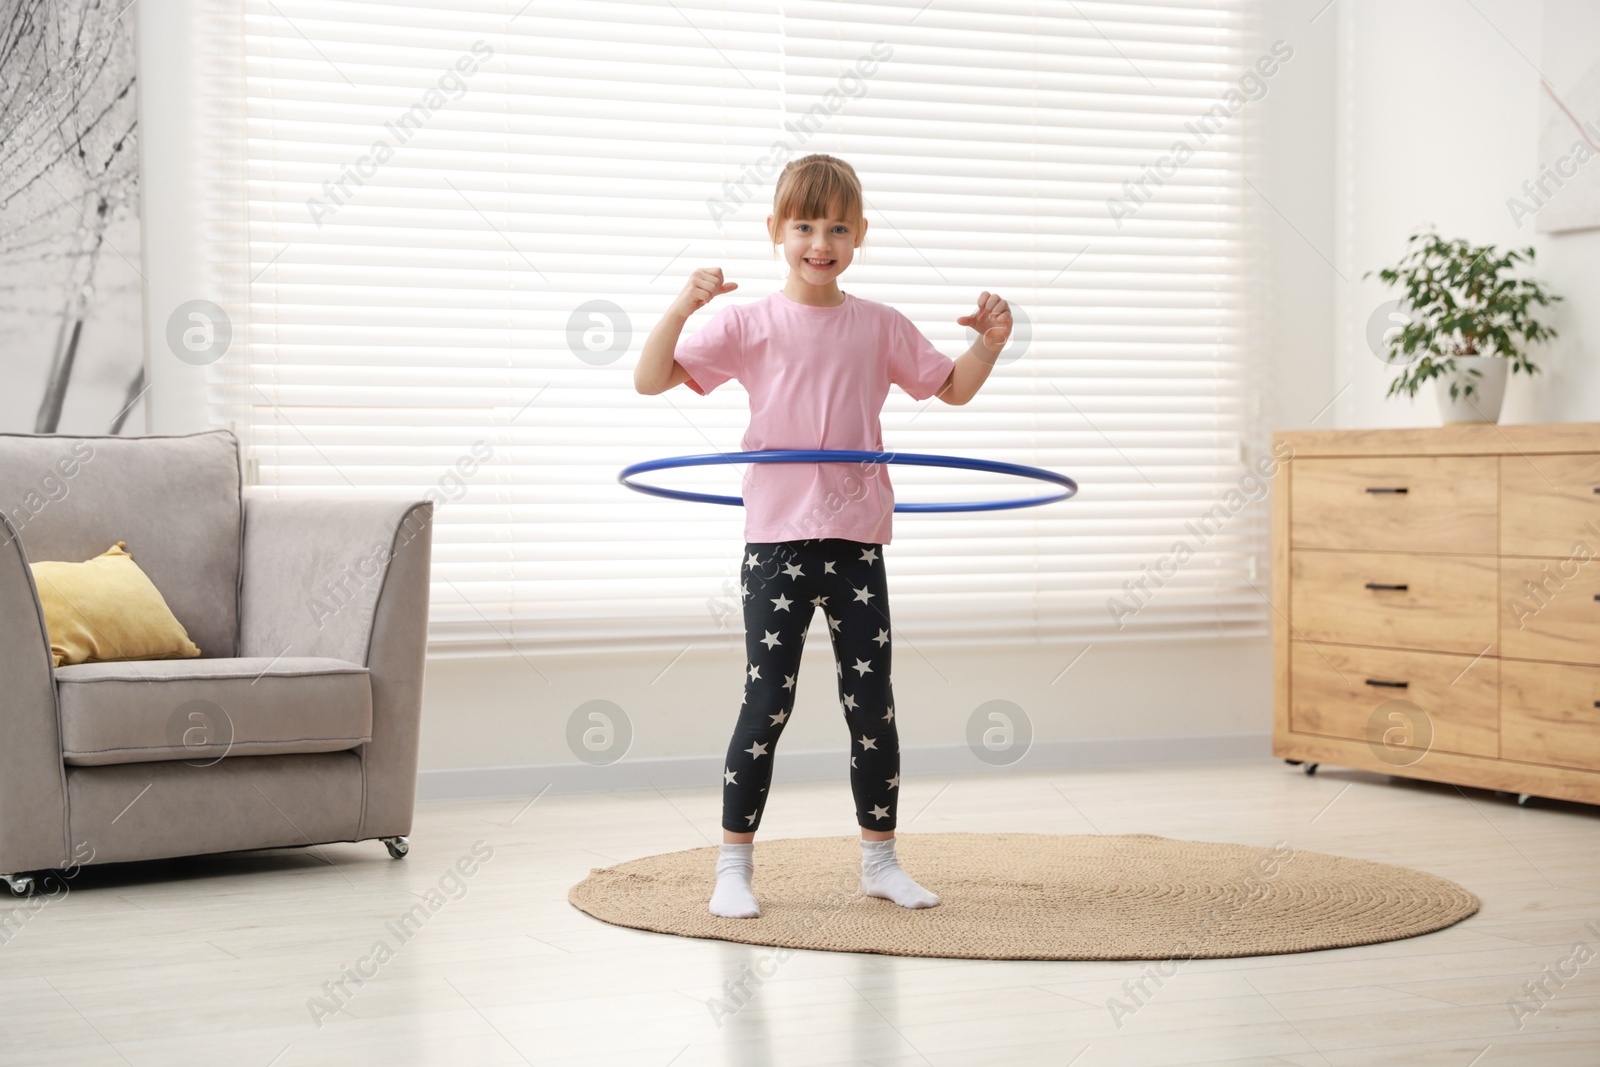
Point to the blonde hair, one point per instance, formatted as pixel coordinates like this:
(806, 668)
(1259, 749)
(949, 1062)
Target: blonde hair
(815, 187)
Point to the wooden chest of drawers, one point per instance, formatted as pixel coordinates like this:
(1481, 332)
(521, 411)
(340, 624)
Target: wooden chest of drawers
(1436, 598)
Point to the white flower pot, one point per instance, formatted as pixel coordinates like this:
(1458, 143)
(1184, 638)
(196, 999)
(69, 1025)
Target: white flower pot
(1488, 389)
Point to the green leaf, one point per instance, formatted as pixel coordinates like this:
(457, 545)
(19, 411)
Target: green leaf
(1463, 300)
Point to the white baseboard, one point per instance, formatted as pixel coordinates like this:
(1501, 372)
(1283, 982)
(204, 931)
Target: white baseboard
(687, 772)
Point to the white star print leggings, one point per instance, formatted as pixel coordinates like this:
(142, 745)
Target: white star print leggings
(783, 584)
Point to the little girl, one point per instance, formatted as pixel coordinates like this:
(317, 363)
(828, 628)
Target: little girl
(817, 364)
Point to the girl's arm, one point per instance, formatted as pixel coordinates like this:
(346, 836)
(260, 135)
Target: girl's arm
(992, 320)
(968, 375)
(657, 371)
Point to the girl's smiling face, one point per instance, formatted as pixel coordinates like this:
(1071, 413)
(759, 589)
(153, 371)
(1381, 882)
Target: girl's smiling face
(818, 250)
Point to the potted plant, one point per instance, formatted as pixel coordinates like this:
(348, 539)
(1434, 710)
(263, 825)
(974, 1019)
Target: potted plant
(1469, 322)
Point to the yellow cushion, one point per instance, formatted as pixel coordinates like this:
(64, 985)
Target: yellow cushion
(107, 609)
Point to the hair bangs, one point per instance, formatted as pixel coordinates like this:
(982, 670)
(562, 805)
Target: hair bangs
(816, 187)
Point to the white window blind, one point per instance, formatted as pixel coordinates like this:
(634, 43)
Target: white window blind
(415, 207)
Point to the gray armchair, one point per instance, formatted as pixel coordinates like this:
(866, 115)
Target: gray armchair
(297, 724)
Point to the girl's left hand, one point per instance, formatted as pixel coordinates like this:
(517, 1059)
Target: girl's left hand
(992, 320)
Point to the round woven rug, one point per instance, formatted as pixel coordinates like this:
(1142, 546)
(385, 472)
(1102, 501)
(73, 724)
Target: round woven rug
(1039, 897)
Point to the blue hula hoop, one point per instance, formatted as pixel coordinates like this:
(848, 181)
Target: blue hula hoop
(813, 455)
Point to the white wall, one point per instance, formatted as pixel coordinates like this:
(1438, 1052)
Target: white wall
(170, 133)
(1439, 104)
(1123, 703)
(1293, 194)
(1118, 702)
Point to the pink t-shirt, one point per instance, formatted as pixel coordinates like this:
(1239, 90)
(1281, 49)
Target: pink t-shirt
(817, 378)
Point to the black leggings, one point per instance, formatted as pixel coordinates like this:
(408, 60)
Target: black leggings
(783, 583)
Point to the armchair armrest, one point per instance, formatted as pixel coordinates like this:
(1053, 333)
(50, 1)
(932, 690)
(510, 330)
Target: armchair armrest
(33, 778)
(348, 579)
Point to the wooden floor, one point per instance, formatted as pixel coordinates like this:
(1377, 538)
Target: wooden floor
(219, 960)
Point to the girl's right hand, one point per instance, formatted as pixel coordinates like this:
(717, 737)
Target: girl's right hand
(703, 284)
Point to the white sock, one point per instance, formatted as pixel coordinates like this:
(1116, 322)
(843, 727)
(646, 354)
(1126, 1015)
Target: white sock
(733, 898)
(882, 876)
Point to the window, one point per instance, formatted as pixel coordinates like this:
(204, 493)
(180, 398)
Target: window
(443, 234)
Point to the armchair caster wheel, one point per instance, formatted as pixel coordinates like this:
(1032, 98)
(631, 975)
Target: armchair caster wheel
(397, 846)
(1293, 762)
(1523, 799)
(21, 885)
(1311, 768)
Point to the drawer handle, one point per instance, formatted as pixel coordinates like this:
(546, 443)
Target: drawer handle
(1386, 586)
(1402, 489)
(1402, 685)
